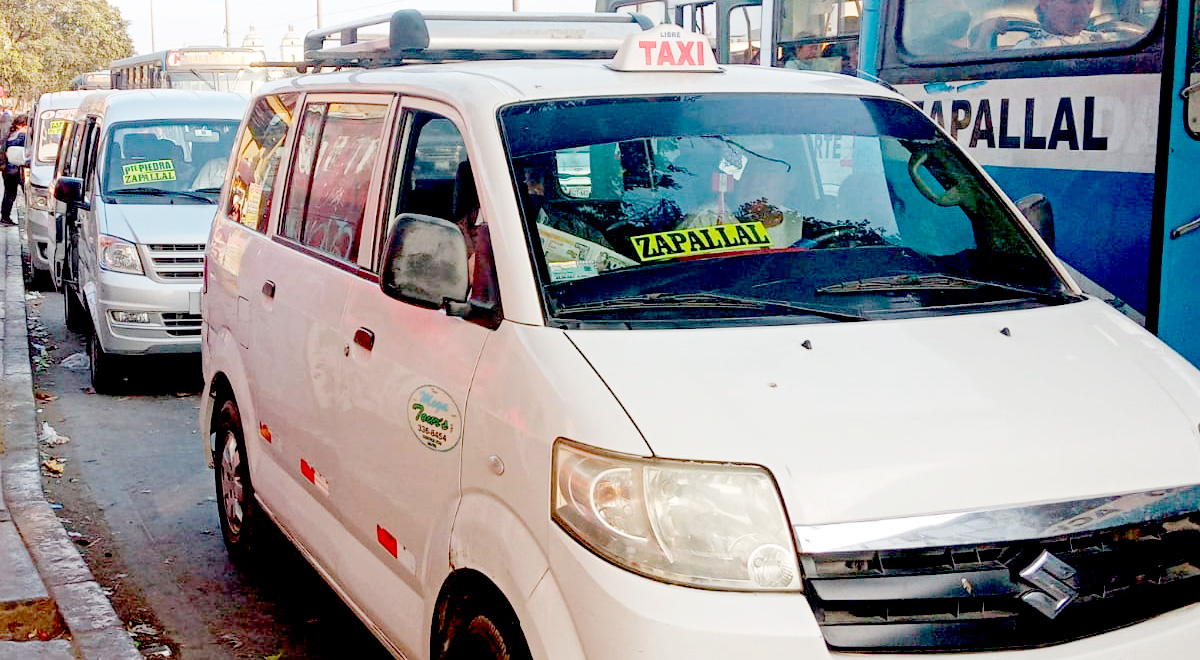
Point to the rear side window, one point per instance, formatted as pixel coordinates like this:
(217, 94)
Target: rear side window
(330, 182)
(257, 155)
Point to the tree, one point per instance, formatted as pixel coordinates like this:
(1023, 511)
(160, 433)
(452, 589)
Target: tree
(46, 43)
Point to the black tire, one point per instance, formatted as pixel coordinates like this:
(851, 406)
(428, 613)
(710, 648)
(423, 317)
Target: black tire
(75, 313)
(483, 629)
(102, 367)
(242, 520)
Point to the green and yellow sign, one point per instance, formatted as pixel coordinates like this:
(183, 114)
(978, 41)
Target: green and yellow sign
(701, 240)
(149, 171)
(56, 127)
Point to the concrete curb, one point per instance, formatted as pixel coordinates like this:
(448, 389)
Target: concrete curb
(96, 631)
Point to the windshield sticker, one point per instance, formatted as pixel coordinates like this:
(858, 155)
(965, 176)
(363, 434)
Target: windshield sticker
(561, 271)
(701, 240)
(434, 418)
(56, 127)
(151, 170)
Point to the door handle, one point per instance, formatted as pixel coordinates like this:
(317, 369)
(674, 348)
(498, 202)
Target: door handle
(364, 338)
(268, 289)
(1185, 228)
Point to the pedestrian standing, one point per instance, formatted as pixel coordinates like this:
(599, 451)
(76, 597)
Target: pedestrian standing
(17, 137)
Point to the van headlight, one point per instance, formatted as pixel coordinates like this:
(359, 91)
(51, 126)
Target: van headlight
(709, 525)
(119, 255)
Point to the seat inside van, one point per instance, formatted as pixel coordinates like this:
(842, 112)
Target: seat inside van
(143, 148)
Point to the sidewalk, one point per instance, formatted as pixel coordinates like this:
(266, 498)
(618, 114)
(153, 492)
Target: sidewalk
(51, 608)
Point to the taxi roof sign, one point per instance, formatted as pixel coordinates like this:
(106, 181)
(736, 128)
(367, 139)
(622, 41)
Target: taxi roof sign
(665, 48)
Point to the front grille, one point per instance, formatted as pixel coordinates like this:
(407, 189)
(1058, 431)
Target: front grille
(973, 598)
(182, 325)
(176, 262)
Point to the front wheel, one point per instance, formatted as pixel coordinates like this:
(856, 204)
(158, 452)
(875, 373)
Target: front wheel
(102, 366)
(76, 314)
(239, 513)
(483, 631)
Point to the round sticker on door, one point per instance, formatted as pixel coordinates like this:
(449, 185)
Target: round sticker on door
(434, 418)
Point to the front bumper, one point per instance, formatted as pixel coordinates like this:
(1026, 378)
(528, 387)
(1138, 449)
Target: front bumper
(618, 615)
(174, 314)
(40, 233)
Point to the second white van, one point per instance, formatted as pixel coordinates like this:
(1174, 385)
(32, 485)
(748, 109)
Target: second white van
(137, 179)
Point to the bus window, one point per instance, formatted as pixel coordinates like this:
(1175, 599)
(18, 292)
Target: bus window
(818, 35)
(933, 28)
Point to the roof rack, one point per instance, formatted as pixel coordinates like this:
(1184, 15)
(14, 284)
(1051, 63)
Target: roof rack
(411, 36)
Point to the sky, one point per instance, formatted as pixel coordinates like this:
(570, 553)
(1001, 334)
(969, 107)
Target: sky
(202, 22)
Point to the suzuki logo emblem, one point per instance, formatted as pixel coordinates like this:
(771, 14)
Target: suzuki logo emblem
(1050, 575)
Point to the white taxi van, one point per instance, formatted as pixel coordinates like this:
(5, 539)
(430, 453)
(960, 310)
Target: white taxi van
(54, 110)
(579, 345)
(136, 181)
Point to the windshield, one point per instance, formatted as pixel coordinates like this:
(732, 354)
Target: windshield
(173, 158)
(969, 28)
(765, 204)
(243, 81)
(50, 131)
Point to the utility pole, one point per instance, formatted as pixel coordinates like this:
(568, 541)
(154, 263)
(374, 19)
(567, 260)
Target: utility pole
(228, 30)
(516, 5)
(319, 13)
(153, 45)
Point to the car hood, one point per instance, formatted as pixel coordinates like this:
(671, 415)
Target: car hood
(888, 419)
(160, 224)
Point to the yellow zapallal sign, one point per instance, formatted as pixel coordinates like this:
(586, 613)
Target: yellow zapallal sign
(701, 240)
(151, 170)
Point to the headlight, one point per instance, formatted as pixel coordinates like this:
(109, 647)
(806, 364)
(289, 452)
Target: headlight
(121, 256)
(710, 525)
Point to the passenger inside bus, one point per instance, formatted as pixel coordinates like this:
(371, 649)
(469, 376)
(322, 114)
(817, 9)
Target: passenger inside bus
(954, 27)
(1065, 23)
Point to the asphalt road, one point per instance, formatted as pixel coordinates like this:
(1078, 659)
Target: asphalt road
(138, 499)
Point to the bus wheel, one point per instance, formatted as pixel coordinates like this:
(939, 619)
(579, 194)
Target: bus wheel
(238, 511)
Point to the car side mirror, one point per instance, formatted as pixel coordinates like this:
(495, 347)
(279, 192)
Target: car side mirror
(426, 263)
(68, 190)
(1040, 214)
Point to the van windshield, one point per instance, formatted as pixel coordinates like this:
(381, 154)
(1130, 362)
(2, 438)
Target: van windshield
(762, 208)
(50, 124)
(171, 160)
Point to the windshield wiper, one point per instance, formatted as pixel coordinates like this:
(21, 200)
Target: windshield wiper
(930, 282)
(159, 192)
(703, 300)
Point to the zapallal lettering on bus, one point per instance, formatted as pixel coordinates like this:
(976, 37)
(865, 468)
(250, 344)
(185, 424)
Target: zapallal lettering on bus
(992, 122)
(701, 240)
(151, 170)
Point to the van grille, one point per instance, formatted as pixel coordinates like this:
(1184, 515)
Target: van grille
(182, 325)
(176, 263)
(973, 598)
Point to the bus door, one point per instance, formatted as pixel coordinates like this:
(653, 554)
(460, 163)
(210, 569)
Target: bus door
(1057, 97)
(1179, 304)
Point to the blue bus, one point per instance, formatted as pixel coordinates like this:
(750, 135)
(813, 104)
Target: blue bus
(1090, 104)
